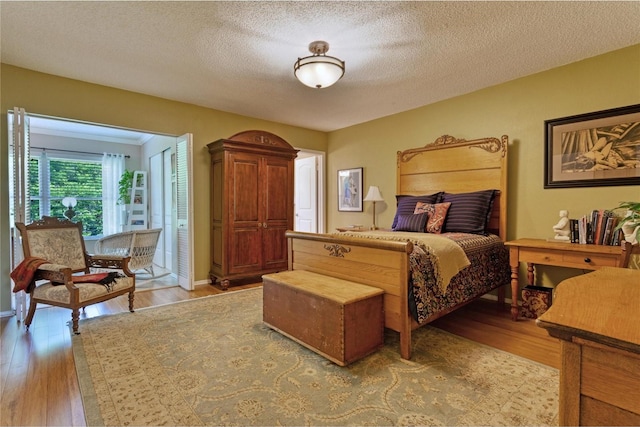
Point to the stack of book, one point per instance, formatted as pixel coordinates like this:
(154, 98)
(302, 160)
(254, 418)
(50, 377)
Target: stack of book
(596, 228)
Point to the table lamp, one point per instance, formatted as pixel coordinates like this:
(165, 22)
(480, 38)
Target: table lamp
(373, 195)
(69, 203)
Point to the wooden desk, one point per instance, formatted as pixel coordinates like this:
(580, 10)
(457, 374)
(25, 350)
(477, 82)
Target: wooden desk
(596, 318)
(560, 254)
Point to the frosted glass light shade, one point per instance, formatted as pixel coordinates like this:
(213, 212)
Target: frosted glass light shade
(319, 71)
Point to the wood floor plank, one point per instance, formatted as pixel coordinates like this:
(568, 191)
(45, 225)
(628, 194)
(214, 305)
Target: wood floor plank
(39, 363)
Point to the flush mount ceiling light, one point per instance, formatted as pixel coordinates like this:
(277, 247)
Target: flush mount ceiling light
(318, 70)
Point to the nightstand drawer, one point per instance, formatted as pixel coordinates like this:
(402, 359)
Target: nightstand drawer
(590, 260)
(568, 258)
(540, 256)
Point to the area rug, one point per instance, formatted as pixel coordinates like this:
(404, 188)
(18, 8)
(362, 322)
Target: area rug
(211, 361)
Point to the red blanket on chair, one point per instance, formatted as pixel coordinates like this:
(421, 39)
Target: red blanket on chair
(22, 275)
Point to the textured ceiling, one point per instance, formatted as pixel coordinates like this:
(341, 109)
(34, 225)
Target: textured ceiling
(238, 56)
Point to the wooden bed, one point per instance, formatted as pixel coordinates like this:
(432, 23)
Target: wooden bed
(448, 164)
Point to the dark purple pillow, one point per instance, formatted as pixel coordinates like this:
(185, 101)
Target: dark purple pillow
(407, 204)
(413, 222)
(469, 212)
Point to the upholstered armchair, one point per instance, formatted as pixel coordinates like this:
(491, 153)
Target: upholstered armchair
(139, 245)
(54, 251)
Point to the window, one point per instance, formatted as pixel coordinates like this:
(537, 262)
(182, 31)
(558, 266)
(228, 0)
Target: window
(53, 177)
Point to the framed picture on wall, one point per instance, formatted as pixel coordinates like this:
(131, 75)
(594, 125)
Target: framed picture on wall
(592, 150)
(350, 190)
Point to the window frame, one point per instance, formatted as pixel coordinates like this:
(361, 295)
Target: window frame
(44, 198)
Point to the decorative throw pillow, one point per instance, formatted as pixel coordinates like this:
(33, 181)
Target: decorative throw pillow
(437, 213)
(469, 212)
(415, 223)
(407, 204)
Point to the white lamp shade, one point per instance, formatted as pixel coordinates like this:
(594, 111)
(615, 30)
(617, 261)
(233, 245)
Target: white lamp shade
(69, 202)
(318, 71)
(373, 195)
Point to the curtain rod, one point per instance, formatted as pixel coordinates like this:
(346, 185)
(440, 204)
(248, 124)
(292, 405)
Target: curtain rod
(126, 156)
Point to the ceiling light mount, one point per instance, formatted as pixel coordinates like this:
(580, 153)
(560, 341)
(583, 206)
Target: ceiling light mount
(318, 47)
(318, 70)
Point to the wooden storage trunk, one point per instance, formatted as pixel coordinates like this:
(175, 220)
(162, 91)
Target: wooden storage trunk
(340, 320)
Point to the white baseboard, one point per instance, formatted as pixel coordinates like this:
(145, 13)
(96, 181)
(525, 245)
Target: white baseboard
(7, 313)
(200, 283)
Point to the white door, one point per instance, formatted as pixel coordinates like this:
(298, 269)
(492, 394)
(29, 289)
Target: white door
(156, 204)
(18, 192)
(19, 158)
(306, 195)
(184, 211)
(169, 198)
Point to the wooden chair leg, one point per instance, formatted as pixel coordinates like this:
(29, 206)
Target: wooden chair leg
(75, 316)
(32, 311)
(131, 295)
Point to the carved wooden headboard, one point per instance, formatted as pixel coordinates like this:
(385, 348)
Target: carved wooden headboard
(458, 166)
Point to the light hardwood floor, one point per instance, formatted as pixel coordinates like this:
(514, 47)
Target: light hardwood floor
(38, 384)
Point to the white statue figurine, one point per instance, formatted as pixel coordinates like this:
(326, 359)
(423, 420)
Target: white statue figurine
(562, 227)
(630, 232)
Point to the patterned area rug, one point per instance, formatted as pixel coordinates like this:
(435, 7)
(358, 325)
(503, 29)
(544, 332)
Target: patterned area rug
(211, 361)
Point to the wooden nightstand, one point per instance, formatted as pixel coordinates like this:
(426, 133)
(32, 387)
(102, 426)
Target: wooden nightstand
(560, 254)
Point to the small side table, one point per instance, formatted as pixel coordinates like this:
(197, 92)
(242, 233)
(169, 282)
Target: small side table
(560, 254)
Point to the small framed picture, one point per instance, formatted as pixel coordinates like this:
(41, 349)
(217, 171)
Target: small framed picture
(350, 190)
(592, 150)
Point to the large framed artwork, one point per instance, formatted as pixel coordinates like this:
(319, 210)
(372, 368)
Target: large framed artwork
(595, 149)
(350, 190)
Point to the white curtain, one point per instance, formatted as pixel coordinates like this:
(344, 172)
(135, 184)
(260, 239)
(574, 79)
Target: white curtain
(112, 170)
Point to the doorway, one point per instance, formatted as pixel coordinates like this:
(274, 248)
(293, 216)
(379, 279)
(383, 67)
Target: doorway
(72, 137)
(309, 191)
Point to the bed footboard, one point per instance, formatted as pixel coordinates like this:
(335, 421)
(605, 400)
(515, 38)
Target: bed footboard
(378, 263)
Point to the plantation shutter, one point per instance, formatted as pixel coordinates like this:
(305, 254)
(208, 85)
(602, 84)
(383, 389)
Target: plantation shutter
(19, 156)
(18, 122)
(184, 211)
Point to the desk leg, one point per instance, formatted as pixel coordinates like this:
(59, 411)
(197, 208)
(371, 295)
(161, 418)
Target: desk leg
(530, 273)
(514, 262)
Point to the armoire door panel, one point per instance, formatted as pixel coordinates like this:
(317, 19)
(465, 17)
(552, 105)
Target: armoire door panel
(275, 248)
(279, 190)
(245, 188)
(246, 248)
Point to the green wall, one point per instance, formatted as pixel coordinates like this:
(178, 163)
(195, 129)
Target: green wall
(518, 109)
(50, 95)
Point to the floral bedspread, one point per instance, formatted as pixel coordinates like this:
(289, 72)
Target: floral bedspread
(439, 277)
(489, 270)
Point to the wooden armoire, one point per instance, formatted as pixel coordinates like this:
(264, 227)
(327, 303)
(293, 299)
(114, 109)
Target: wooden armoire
(252, 184)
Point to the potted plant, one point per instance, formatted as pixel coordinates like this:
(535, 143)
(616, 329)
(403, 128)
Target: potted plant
(630, 223)
(124, 187)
